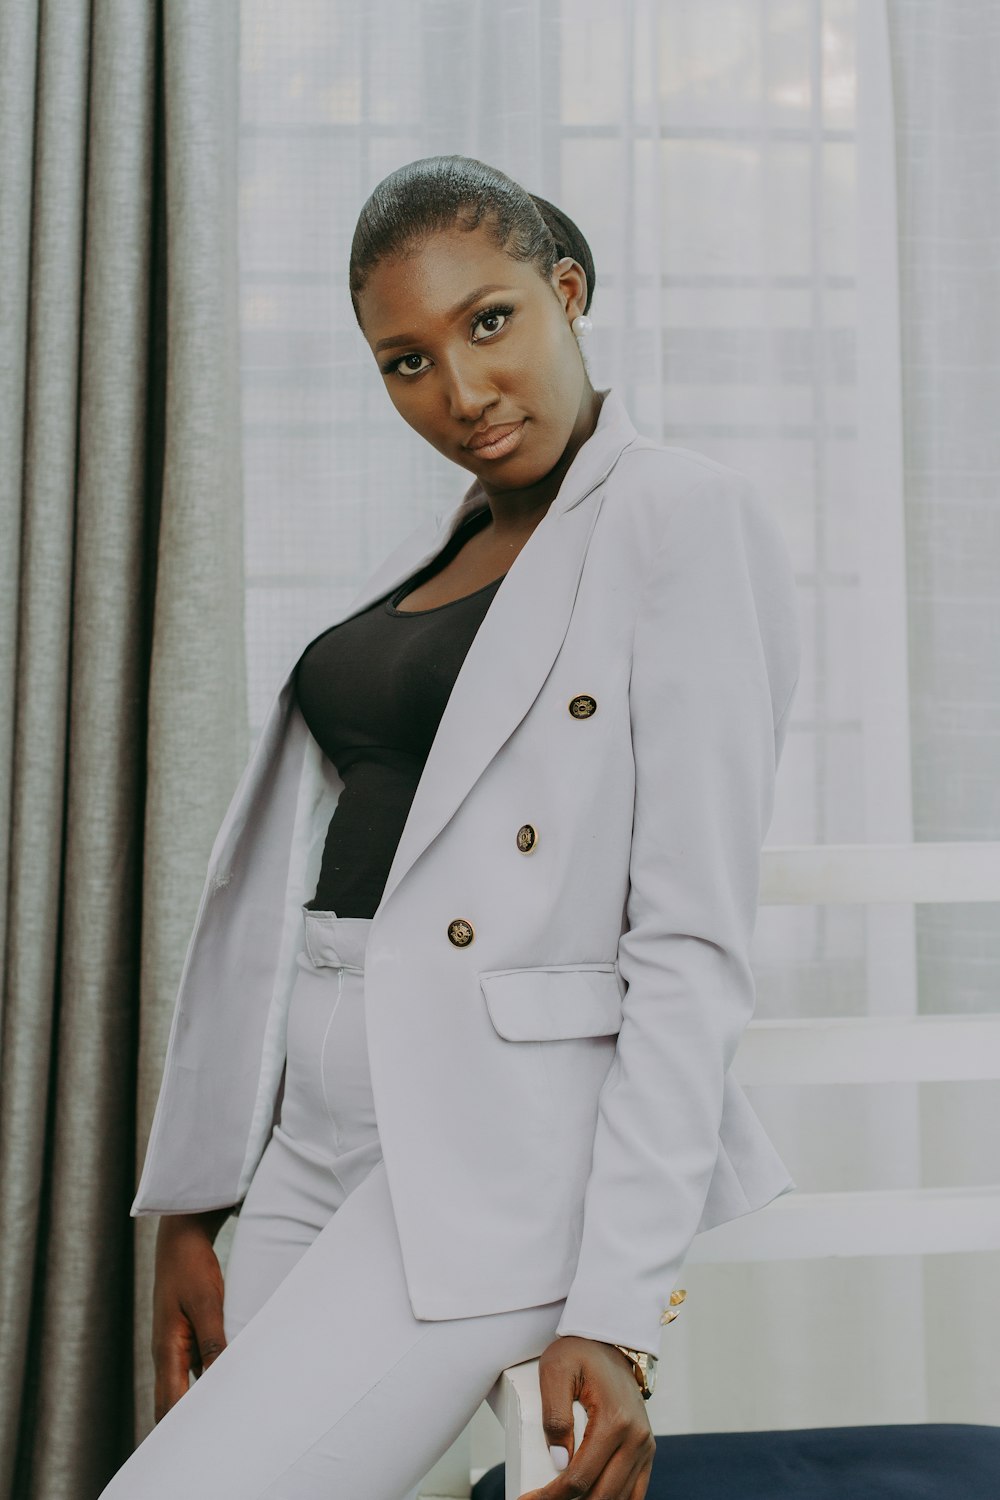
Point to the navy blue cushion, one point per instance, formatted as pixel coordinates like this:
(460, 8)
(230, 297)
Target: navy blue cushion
(898, 1461)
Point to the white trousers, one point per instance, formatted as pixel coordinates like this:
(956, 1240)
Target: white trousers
(329, 1388)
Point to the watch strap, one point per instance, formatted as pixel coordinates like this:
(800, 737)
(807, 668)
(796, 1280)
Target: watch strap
(641, 1362)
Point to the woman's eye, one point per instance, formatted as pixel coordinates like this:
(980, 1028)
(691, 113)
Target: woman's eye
(488, 315)
(397, 363)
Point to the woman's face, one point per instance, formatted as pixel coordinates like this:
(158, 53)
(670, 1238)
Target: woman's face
(455, 363)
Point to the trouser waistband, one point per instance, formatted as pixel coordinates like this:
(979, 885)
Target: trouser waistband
(337, 942)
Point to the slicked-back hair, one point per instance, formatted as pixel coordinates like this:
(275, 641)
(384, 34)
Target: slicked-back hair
(444, 192)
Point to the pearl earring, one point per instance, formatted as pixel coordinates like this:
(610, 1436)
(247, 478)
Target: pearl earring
(581, 325)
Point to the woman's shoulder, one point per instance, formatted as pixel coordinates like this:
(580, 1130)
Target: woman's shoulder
(657, 487)
(702, 534)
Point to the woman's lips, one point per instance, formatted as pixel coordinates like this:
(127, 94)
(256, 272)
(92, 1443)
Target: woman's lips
(503, 445)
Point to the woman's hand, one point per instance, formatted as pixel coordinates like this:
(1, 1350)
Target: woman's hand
(187, 1303)
(615, 1459)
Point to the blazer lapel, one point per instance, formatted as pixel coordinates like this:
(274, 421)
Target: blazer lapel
(517, 642)
(504, 668)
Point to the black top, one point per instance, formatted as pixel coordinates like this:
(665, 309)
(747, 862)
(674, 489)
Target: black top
(372, 691)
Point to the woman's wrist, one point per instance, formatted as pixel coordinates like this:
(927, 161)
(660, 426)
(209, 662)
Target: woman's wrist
(209, 1221)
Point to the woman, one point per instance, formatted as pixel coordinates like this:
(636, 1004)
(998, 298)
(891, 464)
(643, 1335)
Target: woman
(454, 1028)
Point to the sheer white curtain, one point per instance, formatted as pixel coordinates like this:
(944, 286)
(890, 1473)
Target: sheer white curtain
(945, 61)
(733, 165)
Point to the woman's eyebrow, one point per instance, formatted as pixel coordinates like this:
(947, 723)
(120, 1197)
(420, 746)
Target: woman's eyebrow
(412, 338)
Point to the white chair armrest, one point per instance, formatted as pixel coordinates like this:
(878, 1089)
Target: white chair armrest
(516, 1400)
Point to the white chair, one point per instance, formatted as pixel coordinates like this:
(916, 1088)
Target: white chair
(871, 1049)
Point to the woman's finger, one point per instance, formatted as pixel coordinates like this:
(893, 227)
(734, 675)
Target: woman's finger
(604, 1470)
(171, 1364)
(209, 1331)
(626, 1476)
(598, 1451)
(615, 1480)
(639, 1479)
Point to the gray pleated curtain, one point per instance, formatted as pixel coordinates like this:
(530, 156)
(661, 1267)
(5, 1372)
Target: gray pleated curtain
(123, 721)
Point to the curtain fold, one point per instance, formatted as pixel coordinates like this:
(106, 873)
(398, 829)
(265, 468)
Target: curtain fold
(122, 668)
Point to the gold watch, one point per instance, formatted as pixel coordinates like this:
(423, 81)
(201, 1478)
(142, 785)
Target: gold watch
(644, 1366)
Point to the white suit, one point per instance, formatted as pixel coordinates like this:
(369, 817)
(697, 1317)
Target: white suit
(550, 1028)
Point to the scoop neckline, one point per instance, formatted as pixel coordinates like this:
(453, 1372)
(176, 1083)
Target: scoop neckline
(390, 603)
(469, 524)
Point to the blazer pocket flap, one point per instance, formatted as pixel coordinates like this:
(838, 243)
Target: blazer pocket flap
(554, 1001)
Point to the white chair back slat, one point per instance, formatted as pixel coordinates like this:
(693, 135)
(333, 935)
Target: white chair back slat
(817, 874)
(885, 1221)
(870, 1049)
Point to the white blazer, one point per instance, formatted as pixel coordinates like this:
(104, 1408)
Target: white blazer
(555, 1104)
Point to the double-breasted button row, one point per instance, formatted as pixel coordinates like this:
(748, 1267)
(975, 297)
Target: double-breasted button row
(460, 930)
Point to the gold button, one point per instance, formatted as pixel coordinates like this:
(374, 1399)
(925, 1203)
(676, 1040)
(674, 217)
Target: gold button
(527, 838)
(676, 1298)
(582, 706)
(460, 932)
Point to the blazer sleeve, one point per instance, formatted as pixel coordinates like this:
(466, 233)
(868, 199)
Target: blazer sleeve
(714, 667)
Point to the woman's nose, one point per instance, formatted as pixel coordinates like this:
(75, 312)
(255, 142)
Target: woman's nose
(469, 397)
